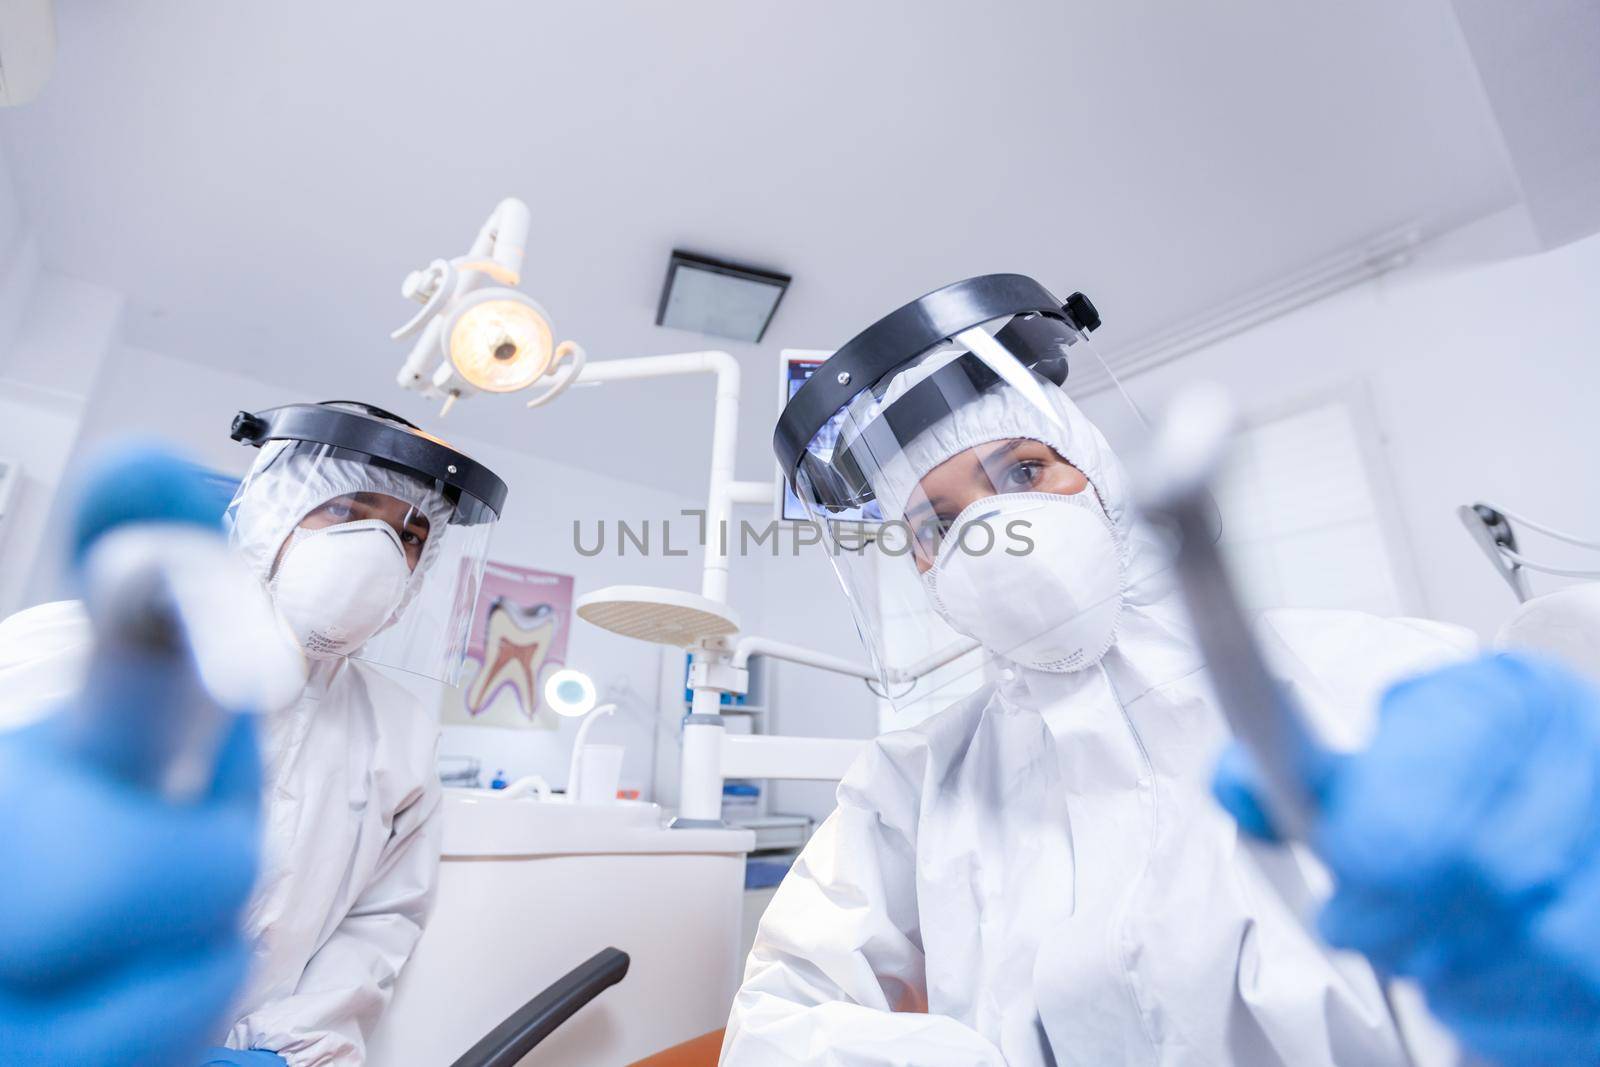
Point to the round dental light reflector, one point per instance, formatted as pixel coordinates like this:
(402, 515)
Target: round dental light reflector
(499, 340)
(570, 692)
(669, 617)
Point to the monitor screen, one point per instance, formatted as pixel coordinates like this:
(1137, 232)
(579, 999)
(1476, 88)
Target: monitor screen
(799, 365)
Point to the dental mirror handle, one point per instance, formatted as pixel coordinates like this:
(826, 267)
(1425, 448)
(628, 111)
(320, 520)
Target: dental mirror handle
(1186, 453)
(183, 635)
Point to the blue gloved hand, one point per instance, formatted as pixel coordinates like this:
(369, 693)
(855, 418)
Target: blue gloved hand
(233, 1057)
(119, 911)
(140, 481)
(120, 939)
(1465, 846)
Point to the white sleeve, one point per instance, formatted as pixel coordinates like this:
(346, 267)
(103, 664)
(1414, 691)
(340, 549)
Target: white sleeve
(836, 976)
(44, 654)
(348, 983)
(1340, 663)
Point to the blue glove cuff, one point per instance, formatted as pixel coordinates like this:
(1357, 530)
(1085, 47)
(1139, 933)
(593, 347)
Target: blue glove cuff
(242, 1057)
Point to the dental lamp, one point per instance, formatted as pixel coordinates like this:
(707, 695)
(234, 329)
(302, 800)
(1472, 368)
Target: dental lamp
(478, 333)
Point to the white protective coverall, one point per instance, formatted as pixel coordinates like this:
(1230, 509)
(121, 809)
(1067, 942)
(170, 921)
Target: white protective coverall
(1039, 875)
(1565, 623)
(351, 802)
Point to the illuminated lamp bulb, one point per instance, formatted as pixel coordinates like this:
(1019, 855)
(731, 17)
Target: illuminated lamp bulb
(499, 340)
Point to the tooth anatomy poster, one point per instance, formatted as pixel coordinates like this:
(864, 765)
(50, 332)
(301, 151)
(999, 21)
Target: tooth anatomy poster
(519, 636)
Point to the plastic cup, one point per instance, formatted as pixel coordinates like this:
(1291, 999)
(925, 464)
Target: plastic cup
(599, 774)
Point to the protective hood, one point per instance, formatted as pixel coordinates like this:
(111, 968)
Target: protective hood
(1002, 414)
(1152, 644)
(286, 484)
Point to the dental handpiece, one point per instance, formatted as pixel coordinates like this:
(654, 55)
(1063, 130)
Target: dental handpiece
(1175, 490)
(183, 636)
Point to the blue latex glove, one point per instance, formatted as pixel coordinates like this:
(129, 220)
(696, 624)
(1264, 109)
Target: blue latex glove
(233, 1057)
(140, 481)
(1465, 845)
(119, 910)
(119, 932)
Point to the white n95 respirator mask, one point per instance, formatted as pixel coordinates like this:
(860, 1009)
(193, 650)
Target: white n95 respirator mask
(339, 585)
(1042, 587)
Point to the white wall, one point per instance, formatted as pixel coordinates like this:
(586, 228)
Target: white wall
(54, 336)
(36, 432)
(144, 394)
(536, 531)
(1483, 364)
(11, 221)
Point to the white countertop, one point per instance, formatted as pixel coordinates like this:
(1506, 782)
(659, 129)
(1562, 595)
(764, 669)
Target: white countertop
(480, 822)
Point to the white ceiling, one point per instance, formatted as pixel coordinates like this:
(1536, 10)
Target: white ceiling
(1537, 63)
(257, 177)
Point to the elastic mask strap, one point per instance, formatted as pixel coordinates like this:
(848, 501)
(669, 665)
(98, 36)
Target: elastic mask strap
(300, 535)
(995, 505)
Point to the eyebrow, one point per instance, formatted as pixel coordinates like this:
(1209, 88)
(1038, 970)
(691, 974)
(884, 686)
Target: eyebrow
(1005, 449)
(414, 516)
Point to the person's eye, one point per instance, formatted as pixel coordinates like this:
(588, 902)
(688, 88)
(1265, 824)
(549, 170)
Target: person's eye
(410, 538)
(338, 509)
(1023, 474)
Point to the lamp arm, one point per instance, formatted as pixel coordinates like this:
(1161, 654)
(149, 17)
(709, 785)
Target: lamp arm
(572, 354)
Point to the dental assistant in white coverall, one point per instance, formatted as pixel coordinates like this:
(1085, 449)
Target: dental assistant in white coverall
(1038, 874)
(351, 792)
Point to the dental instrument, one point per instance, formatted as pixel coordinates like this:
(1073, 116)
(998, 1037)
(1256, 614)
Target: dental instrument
(1174, 490)
(183, 634)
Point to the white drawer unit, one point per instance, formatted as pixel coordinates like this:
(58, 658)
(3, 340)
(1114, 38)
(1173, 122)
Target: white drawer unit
(777, 833)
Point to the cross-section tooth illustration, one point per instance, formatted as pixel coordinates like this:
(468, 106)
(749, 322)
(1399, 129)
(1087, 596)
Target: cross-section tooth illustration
(514, 650)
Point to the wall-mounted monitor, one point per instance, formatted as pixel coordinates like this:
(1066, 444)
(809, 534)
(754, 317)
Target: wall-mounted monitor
(796, 365)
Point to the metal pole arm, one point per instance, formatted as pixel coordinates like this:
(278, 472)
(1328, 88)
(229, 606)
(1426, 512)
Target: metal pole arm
(752, 645)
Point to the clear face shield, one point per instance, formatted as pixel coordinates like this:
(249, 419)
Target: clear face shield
(1006, 526)
(370, 535)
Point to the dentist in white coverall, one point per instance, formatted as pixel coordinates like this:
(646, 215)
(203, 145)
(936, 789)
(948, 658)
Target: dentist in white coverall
(1039, 874)
(351, 795)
